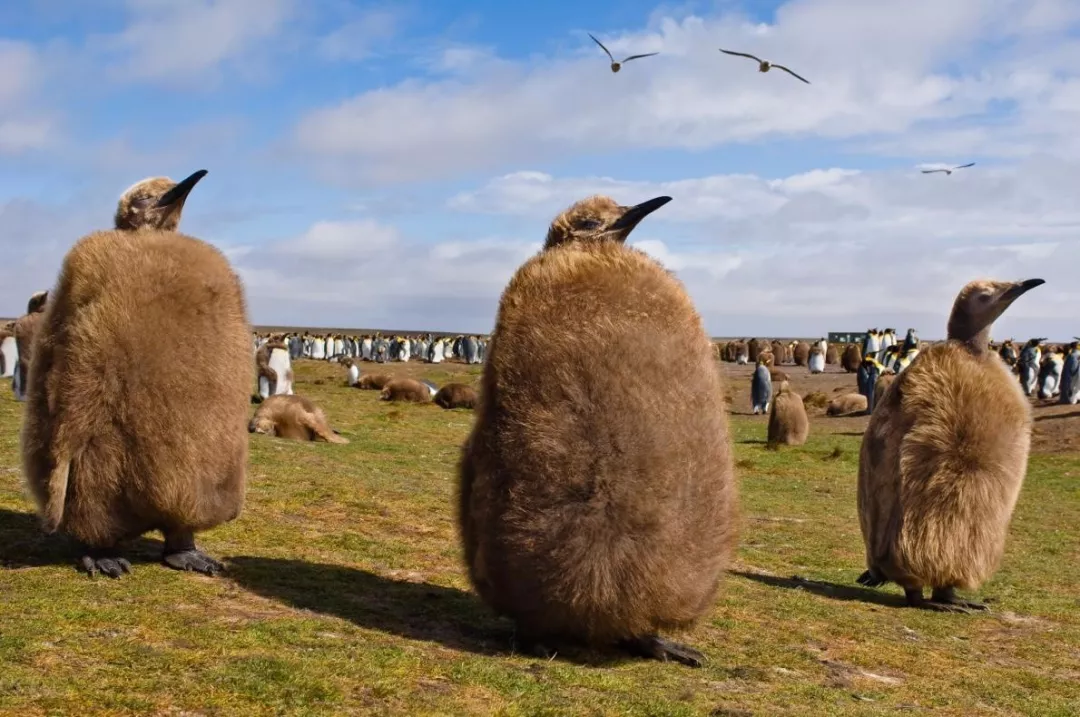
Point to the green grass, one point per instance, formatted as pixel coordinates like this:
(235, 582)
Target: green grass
(345, 595)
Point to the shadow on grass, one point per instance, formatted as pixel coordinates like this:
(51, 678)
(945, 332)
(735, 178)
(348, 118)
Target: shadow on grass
(829, 590)
(418, 611)
(23, 544)
(1057, 416)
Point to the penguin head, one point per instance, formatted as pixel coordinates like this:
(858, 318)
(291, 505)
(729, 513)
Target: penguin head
(981, 302)
(37, 302)
(154, 203)
(261, 424)
(599, 218)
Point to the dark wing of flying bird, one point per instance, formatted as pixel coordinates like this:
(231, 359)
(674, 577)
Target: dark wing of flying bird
(634, 57)
(781, 67)
(601, 46)
(740, 54)
(969, 164)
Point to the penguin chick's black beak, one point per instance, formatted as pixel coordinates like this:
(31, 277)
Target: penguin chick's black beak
(180, 191)
(636, 213)
(1020, 288)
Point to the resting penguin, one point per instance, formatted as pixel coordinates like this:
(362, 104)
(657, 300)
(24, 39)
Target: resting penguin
(816, 360)
(761, 386)
(274, 369)
(295, 418)
(832, 355)
(23, 330)
(867, 378)
(119, 437)
(1070, 375)
(801, 353)
(943, 459)
(405, 389)
(788, 423)
(456, 395)
(597, 499)
(373, 381)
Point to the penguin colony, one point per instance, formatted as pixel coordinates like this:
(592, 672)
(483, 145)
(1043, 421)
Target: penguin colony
(584, 514)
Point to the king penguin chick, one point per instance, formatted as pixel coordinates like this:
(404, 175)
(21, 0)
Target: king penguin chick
(852, 358)
(24, 329)
(597, 500)
(456, 395)
(154, 203)
(761, 386)
(119, 436)
(788, 423)
(943, 459)
(293, 417)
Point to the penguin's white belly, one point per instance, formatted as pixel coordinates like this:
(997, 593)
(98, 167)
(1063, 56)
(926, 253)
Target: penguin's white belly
(11, 355)
(354, 375)
(279, 362)
(817, 363)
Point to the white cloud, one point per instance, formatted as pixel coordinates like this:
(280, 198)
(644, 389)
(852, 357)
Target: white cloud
(878, 71)
(22, 126)
(357, 38)
(189, 41)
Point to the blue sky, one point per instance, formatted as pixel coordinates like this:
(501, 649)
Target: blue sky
(392, 163)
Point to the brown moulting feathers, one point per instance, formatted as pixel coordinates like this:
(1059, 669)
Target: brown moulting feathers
(788, 422)
(138, 397)
(943, 459)
(405, 389)
(596, 500)
(154, 203)
(456, 395)
(373, 381)
(295, 418)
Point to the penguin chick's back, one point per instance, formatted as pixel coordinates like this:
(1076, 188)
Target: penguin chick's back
(603, 500)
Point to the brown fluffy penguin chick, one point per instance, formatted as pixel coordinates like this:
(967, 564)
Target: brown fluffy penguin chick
(884, 381)
(847, 404)
(456, 395)
(405, 389)
(943, 459)
(24, 329)
(788, 423)
(373, 381)
(800, 353)
(832, 355)
(154, 203)
(138, 397)
(596, 499)
(851, 358)
(295, 418)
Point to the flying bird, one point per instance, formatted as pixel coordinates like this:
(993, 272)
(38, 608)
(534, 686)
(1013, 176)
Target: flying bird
(616, 65)
(948, 171)
(765, 65)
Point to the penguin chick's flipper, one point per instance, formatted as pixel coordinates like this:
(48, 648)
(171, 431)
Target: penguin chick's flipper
(946, 600)
(181, 554)
(657, 648)
(104, 561)
(872, 580)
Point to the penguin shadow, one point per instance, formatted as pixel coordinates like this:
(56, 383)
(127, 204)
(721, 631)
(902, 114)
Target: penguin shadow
(833, 591)
(23, 544)
(1057, 416)
(453, 618)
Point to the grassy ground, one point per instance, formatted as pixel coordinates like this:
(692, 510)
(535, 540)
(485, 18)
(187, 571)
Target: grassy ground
(345, 595)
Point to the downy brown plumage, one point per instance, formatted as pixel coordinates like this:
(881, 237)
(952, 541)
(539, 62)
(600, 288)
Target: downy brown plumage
(851, 358)
(405, 389)
(295, 418)
(943, 459)
(788, 423)
(596, 498)
(456, 395)
(154, 203)
(138, 395)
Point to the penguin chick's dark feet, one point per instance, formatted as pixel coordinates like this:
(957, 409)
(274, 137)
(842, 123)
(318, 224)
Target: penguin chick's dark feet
(530, 646)
(193, 559)
(946, 600)
(870, 580)
(106, 562)
(657, 648)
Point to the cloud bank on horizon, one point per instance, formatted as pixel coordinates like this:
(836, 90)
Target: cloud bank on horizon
(391, 165)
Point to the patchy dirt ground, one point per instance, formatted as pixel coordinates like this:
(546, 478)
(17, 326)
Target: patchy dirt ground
(1057, 427)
